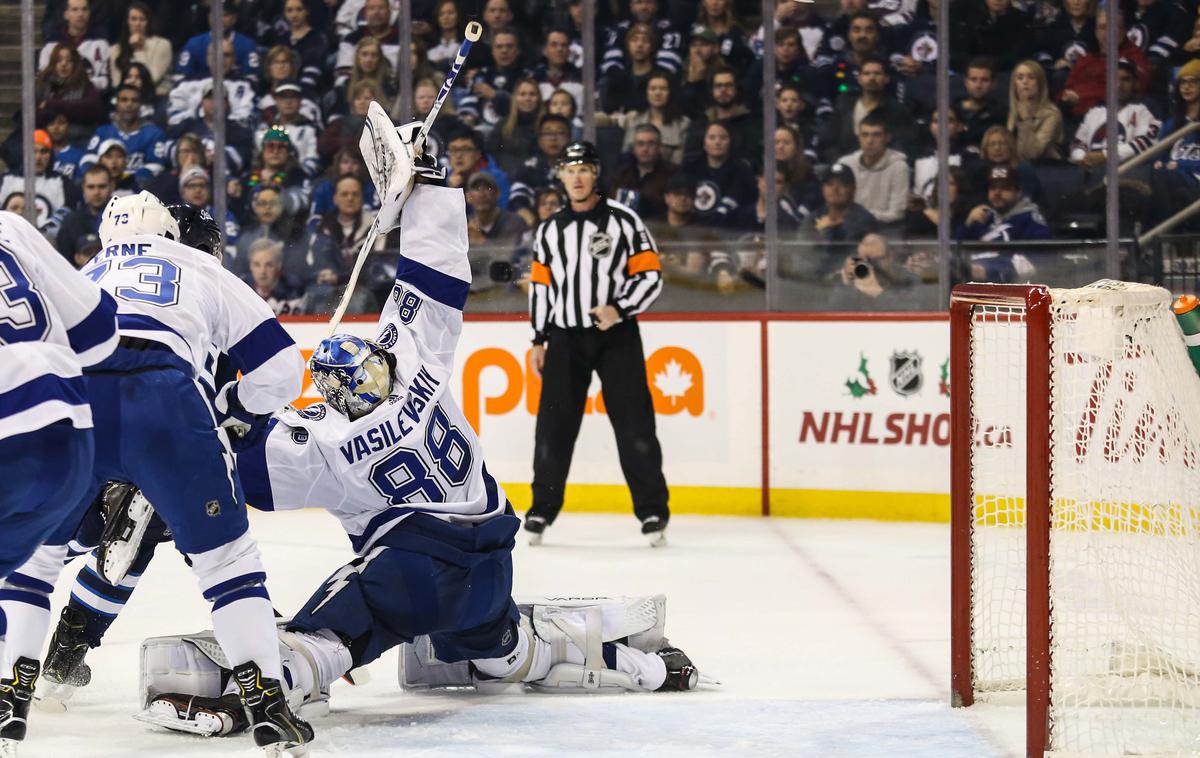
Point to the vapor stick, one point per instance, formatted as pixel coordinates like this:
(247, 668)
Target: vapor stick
(382, 150)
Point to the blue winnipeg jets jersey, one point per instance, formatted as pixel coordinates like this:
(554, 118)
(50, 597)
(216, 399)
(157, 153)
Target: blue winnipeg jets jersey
(415, 453)
(53, 323)
(186, 301)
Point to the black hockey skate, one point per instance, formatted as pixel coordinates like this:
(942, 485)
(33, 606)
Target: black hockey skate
(64, 660)
(276, 729)
(535, 525)
(654, 529)
(682, 675)
(206, 716)
(16, 695)
(127, 514)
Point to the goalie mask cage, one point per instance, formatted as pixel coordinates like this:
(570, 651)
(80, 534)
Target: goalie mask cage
(1075, 515)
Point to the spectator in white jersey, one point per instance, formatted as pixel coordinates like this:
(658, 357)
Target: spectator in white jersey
(1138, 126)
(76, 32)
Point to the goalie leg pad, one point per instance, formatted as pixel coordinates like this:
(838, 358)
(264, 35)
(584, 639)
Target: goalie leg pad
(639, 622)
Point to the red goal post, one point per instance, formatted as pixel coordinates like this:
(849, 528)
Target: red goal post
(1075, 515)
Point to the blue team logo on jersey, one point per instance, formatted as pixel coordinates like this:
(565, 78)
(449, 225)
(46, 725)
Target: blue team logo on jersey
(387, 338)
(314, 412)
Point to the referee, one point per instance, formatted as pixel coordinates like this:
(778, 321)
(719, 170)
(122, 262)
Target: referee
(595, 267)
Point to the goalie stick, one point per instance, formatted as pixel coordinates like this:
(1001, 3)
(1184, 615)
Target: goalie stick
(380, 134)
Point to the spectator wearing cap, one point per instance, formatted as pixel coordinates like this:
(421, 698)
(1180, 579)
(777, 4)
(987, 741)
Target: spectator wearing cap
(1138, 126)
(839, 222)
(641, 179)
(724, 181)
(664, 114)
(64, 84)
(998, 31)
(703, 60)
(840, 134)
(195, 188)
(76, 32)
(1085, 86)
(466, 156)
(56, 194)
(285, 114)
(377, 24)
(136, 44)
(980, 108)
(668, 54)
(281, 66)
(1007, 216)
(554, 132)
(84, 220)
(280, 290)
(194, 62)
(1176, 177)
(311, 44)
(1037, 122)
(493, 232)
(691, 252)
(276, 165)
(145, 143)
(727, 108)
(238, 139)
(881, 174)
(187, 95)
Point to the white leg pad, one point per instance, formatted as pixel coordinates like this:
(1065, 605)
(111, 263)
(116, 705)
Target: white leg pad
(559, 622)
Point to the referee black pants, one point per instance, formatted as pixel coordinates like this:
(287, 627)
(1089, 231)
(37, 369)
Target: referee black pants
(616, 355)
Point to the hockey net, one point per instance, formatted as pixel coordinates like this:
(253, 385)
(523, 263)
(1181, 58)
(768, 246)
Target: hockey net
(1076, 515)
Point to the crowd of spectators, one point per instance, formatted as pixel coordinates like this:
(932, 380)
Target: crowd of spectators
(125, 102)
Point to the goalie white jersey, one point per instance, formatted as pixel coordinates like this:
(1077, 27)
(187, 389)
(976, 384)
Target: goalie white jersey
(414, 453)
(185, 300)
(53, 323)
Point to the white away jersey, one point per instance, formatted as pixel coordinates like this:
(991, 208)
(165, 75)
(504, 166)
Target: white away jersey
(185, 300)
(415, 453)
(53, 322)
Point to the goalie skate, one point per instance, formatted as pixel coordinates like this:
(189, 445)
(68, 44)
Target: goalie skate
(127, 513)
(193, 714)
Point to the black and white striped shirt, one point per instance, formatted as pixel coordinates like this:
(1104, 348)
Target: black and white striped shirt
(584, 260)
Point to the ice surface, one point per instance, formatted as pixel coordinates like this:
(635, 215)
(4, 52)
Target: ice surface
(831, 638)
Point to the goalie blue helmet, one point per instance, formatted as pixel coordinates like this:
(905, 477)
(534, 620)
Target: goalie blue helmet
(354, 375)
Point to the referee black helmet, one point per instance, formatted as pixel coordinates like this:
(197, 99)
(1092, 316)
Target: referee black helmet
(580, 152)
(198, 229)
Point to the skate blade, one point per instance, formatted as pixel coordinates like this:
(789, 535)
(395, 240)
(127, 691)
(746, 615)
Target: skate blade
(285, 750)
(8, 748)
(535, 540)
(52, 696)
(657, 539)
(709, 681)
(166, 716)
(114, 567)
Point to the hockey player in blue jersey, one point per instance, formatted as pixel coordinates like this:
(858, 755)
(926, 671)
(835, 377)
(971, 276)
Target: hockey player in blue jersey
(156, 427)
(390, 454)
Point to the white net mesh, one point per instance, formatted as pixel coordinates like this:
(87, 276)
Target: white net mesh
(1125, 521)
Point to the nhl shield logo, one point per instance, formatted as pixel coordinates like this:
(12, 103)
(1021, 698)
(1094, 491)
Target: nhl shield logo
(905, 374)
(600, 244)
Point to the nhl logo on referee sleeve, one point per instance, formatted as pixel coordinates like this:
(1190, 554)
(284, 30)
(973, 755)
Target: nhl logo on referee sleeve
(600, 244)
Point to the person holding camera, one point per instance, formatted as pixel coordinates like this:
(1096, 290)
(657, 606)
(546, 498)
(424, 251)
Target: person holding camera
(878, 280)
(595, 267)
